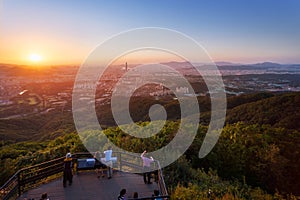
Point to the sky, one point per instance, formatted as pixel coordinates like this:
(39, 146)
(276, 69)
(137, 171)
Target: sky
(66, 31)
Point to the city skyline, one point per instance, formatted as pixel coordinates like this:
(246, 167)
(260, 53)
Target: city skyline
(65, 32)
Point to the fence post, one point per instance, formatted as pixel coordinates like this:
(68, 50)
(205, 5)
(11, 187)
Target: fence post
(18, 182)
(120, 155)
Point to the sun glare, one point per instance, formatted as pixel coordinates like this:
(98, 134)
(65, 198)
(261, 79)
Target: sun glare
(35, 57)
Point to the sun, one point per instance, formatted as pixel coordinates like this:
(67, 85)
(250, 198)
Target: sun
(34, 57)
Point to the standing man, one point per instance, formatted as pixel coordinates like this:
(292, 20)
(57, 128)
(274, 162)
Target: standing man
(108, 162)
(146, 167)
(68, 176)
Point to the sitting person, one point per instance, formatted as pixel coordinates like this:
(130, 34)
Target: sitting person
(98, 164)
(44, 196)
(156, 194)
(135, 195)
(122, 194)
(108, 162)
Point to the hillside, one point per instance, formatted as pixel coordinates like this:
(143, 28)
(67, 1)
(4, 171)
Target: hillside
(256, 156)
(281, 110)
(36, 128)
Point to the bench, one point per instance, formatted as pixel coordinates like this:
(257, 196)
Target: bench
(86, 163)
(89, 163)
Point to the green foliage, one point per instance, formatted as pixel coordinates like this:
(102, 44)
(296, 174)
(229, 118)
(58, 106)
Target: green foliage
(134, 144)
(262, 156)
(23, 154)
(251, 157)
(233, 102)
(279, 111)
(198, 184)
(36, 128)
(195, 191)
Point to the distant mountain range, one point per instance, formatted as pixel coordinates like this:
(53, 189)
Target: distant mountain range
(228, 68)
(265, 67)
(224, 67)
(222, 63)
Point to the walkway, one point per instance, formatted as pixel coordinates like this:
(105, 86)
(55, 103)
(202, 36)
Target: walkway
(86, 186)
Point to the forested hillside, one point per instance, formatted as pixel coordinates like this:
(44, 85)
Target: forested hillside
(36, 127)
(256, 157)
(279, 111)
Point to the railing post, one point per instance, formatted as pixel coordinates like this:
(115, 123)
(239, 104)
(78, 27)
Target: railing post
(18, 182)
(120, 155)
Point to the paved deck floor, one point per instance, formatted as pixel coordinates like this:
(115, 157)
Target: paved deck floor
(86, 186)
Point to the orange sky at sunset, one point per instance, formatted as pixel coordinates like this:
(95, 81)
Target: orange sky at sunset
(52, 51)
(65, 32)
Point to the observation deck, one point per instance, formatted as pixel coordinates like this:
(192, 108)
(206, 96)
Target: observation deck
(32, 182)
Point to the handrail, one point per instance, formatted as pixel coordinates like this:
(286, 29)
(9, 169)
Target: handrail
(42, 164)
(10, 179)
(161, 181)
(27, 177)
(152, 198)
(9, 188)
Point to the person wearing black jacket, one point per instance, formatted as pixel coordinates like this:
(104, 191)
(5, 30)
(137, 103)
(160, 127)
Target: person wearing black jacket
(68, 176)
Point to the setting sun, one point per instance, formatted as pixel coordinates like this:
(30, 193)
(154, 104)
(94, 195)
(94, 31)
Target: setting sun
(35, 57)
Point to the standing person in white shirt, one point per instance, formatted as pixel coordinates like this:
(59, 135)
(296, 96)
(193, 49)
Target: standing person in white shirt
(108, 161)
(146, 167)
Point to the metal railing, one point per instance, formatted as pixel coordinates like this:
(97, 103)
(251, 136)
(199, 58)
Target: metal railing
(29, 177)
(35, 175)
(152, 198)
(10, 188)
(161, 182)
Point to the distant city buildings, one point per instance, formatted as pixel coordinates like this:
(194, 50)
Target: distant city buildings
(20, 95)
